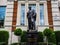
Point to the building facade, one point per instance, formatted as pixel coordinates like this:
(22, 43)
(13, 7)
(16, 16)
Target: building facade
(13, 15)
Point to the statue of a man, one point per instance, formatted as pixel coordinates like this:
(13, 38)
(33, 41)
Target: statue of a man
(33, 19)
(31, 15)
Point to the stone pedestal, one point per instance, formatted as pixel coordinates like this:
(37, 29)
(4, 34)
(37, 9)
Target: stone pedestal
(32, 36)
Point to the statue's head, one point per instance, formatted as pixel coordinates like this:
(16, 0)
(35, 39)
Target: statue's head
(29, 8)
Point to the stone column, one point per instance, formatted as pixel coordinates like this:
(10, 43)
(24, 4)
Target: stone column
(50, 18)
(14, 15)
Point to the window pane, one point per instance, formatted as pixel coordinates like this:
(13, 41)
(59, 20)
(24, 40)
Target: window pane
(41, 14)
(2, 15)
(33, 6)
(22, 14)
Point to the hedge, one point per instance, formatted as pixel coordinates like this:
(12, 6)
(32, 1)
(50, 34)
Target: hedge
(40, 37)
(23, 37)
(47, 32)
(57, 33)
(4, 36)
(18, 32)
(50, 35)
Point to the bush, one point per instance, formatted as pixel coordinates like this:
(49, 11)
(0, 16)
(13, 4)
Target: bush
(23, 37)
(4, 36)
(50, 35)
(18, 32)
(47, 32)
(52, 38)
(57, 33)
(40, 37)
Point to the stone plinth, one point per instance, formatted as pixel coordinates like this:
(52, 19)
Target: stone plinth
(32, 36)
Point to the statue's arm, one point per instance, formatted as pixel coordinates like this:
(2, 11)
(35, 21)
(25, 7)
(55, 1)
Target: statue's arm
(35, 15)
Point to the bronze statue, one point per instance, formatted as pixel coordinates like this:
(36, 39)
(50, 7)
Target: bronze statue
(31, 15)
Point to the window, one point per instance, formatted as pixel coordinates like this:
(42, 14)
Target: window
(22, 14)
(33, 6)
(41, 14)
(2, 15)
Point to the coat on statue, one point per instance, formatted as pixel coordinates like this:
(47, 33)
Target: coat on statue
(31, 15)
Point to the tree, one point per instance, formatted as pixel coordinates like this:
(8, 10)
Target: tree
(50, 35)
(18, 32)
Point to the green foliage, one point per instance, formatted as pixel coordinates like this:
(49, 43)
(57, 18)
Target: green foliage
(47, 32)
(57, 33)
(4, 36)
(52, 38)
(18, 32)
(50, 35)
(23, 37)
(40, 37)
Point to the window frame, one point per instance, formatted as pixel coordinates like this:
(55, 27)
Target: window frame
(4, 18)
(40, 15)
(20, 15)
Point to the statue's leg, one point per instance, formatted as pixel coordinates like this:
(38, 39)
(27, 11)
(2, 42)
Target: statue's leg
(28, 24)
(34, 25)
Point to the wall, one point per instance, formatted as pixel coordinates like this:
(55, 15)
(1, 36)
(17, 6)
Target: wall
(55, 14)
(9, 15)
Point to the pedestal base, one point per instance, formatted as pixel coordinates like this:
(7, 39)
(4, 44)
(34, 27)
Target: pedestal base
(32, 36)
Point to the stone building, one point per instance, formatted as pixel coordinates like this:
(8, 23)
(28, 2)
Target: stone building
(13, 15)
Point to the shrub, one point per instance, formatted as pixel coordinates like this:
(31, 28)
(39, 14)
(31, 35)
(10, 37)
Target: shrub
(4, 36)
(23, 37)
(47, 32)
(40, 37)
(52, 38)
(57, 33)
(18, 32)
(50, 35)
